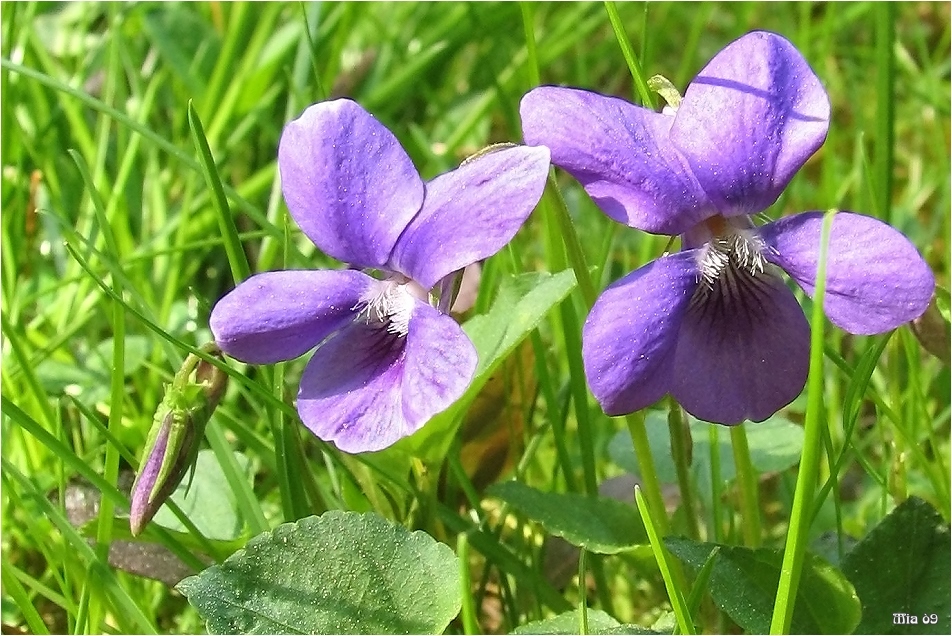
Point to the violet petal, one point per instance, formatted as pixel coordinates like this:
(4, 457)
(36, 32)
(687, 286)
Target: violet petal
(620, 153)
(875, 278)
(142, 508)
(366, 388)
(275, 316)
(749, 121)
(471, 213)
(629, 337)
(347, 182)
(742, 357)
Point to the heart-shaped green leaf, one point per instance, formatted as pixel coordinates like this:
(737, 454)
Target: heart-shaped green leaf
(340, 573)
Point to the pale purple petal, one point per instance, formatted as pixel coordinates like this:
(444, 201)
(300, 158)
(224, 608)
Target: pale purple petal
(742, 357)
(277, 316)
(875, 278)
(749, 121)
(620, 153)
(141, 506)
(471, 213)
(365, 388)
(629, 338)
(347, 182)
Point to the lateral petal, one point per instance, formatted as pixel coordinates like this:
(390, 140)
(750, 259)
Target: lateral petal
(275, 316)
(875, 278)
(630, 336)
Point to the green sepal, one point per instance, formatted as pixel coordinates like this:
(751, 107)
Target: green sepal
(180, 421)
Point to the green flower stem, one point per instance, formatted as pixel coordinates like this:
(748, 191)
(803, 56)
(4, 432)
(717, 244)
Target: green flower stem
(800, 516)
(747, 482)
(573, 246)
(713, 434)
(582, 594)
(470, 624)
(885, 116)
(646, 468)
(680, 435)
(532, 57)
(561, 236)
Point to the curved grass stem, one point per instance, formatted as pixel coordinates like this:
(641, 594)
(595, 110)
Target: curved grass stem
(800, 517)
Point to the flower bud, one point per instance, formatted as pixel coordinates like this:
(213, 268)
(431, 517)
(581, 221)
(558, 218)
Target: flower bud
(177, 431)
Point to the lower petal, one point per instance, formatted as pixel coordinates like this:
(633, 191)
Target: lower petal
(277, 316)
(629, 338)
(742, 356)
(366, 388)
(875, 278)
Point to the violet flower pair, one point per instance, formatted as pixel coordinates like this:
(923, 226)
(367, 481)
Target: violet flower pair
(714, 324)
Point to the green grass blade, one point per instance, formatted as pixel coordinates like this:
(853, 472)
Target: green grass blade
(21, 599)
(127, 610)
(628, 52)
(800, 517)
(685, 623)
(237, 259)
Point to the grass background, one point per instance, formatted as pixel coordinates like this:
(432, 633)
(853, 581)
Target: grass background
(103, 188)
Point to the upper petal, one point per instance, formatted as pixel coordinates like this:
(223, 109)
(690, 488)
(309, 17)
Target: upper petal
(742, 354)
(629, 338)
(471, 213)
(749, 120)
(366, 388)
(347, 182)
(620, 153)
(277, 316)
(875, 278)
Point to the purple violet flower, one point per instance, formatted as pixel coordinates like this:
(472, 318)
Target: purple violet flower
(714, 325)
(389, 357)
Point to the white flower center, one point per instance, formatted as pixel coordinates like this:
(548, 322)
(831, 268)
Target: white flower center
(730, 258)
(388, 304)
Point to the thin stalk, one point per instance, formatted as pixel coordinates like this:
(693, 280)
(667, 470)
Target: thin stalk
(470, 624)
(628, 52)
(800, 517)
(716, 530)
(582, 594)
(646, 468)
(747, 483)
(885, 114)
(573, 245)
(668, 572)
(680, 435)
(532, 57)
